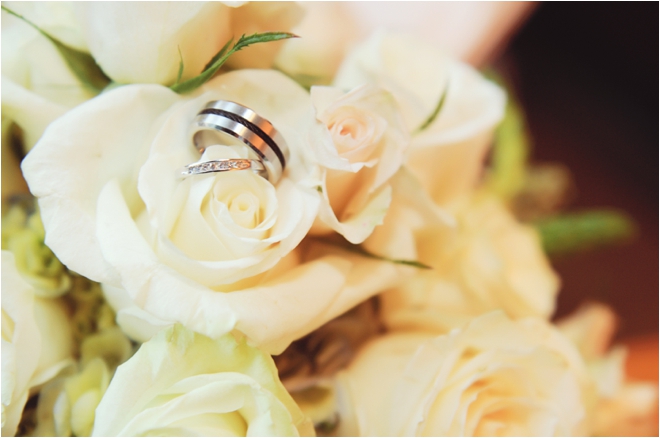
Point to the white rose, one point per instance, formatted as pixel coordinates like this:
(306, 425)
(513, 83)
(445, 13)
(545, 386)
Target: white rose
(447, 156)
(297, 296)
(67, 405)
(624, 407)
(485, 261)
(115, 210)
(132, 43)
(259, 17)
(36, 342)
(359, 142)
(181, 383)
(56, 18)
(37, 84)
(326, 32)
(492, 377)
(139, 42)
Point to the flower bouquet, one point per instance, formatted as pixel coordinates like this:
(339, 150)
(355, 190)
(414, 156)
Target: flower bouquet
(230, 231)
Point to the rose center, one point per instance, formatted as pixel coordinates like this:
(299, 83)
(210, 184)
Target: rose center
(351, 128)
(245, 210)
(349, 135)
(355, 133)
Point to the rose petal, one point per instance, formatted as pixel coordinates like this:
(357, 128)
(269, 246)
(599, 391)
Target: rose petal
(152, 35)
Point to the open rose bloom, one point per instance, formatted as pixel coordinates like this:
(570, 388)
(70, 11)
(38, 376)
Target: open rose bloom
(378, 286)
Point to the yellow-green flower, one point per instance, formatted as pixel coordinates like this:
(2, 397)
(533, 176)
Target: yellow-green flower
(23, 234)
(181, 383)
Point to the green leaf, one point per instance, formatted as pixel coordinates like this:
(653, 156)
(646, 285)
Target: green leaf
(436, 111)
(180, 72)
(576, 232)
(356, 249)
(81, 64)
(510, 153)
(221, 57)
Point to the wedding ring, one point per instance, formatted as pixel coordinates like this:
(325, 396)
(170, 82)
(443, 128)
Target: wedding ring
(224, 165)
(225, 122)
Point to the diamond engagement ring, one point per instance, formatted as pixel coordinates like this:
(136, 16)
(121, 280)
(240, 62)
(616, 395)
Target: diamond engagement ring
(224, 165)
(225, 122)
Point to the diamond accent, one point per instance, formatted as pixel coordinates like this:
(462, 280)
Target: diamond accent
(223, 165)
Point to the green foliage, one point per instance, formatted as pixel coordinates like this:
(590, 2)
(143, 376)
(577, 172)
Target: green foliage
(510, 153)
(576, 232)
(180, 72)
(23, 234)
(81, 64)
(223, 55)
(436, 111)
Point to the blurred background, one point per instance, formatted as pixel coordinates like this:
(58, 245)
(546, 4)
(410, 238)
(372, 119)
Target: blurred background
(586, 75)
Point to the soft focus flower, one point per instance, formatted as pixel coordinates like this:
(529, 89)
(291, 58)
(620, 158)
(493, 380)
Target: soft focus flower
(624, 408)
(359, 142)
(493, 377)
(326, 32)
(23, 234)
(474, 32)
(485, 261)
(259, 17)
(145, 42)
(447, 155)
(469, 31)
(140, 42)
(181, 383)
(172, 246)
(67, 405)
(37, 84)
(36, 342)
(109, 344)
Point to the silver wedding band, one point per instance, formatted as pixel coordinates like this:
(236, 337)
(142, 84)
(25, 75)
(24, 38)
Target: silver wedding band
(224, 165)
(229, 123)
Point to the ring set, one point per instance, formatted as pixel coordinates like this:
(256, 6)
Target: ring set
(222, 122)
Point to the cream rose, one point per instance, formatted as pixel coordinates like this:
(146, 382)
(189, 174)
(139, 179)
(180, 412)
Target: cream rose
(359, 142)
(485, 260)
(258, 17)
(181, 383)
(447, 156)
(326, 32)
(37, 84)
(140, 42)
(194, 250)
(492, 377)
(67, 405)
(36, 342)
(624, 407)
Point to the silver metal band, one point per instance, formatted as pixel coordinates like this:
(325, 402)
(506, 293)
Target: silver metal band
(225, 122)
(224, 165)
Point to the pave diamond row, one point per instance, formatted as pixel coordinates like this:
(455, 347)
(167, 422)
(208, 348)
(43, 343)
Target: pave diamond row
(218, 166)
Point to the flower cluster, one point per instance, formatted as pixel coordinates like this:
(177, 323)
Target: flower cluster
(399, 294)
